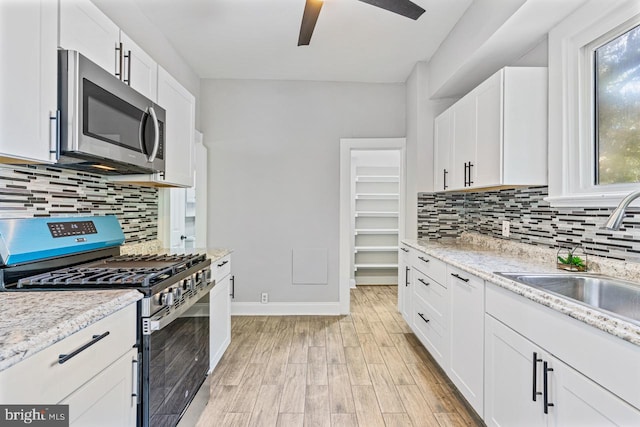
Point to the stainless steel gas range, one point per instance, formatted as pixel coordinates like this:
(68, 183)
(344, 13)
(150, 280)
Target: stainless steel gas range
(83, 253)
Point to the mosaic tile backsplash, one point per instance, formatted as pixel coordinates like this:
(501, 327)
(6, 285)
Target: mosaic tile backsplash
(36, 191)
(533, 221)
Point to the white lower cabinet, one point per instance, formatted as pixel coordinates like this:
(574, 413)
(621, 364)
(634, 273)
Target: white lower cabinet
(220, 310)
(511, 398)
(94, 371)
(107, 399)
(466, 335)
(404, 283)
(520, 392)
(578, 401)
(517, 362)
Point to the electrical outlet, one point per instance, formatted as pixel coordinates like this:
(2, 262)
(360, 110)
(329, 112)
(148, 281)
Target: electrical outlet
(506, 225)
(264, 298)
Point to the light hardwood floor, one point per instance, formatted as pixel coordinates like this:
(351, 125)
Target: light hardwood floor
(365, 369)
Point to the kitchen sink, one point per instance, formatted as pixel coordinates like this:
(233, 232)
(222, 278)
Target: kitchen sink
(617, 297)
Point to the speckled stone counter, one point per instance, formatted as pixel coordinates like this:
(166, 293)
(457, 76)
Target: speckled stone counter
(32, 321)
(483, 256)
(155, 247)
(218, 253)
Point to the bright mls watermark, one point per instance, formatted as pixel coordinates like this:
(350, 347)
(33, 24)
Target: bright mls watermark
(34, 415)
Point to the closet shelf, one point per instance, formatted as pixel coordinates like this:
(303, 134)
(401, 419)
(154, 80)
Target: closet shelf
(374, 214)
(375, 249)
(377, 266)
(377, 178)
(377, 196)
(376, 231)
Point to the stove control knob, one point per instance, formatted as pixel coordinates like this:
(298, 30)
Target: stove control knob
(177, 293)
(188, 284)
(167, 298)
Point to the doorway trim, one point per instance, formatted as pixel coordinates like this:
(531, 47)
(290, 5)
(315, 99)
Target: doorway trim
(347, 145)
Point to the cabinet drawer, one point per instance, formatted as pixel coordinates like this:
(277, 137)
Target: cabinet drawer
(41, 378)
(429, 329)
(432, 292)
(221, 268)
(430, 266)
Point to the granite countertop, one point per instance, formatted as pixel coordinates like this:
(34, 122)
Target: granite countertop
(483, 257)
(33, 321)
(217, 253)
(155, 247)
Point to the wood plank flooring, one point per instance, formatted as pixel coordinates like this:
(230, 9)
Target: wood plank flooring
(366, 369)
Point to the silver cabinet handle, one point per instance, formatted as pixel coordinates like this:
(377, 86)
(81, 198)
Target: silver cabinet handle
(54, 134)
(134, 387)
(119, 65)
(127, 80)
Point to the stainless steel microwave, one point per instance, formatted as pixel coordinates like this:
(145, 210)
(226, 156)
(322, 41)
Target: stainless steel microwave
(106, 126)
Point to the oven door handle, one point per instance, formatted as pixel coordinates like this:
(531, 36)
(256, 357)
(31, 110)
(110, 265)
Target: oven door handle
(160, 320)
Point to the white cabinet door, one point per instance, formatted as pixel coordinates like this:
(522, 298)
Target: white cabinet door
(220, 320)
(108, 399)
(487, 169)
(466, 333)
(180, 126)
(513, 364)
(463, 116)
(139, 69)
(404, 283)
(28, 80)
(578, 401)
(510, 371)
(83, 27)
(443, 143)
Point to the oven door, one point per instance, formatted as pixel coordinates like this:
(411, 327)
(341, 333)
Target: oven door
(104, 119)
(175, 362)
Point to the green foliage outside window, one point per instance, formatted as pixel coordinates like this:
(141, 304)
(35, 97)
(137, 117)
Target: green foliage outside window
(617, 74)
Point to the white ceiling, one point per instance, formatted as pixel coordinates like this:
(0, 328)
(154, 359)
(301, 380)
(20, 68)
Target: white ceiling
(257, 39)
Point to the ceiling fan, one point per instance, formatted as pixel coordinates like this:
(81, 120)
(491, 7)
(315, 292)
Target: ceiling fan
(312, 9)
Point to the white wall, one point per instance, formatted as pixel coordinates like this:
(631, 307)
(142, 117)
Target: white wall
(274, 172)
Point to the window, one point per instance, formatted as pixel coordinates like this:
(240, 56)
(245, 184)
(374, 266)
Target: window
(594, 105)
(617, 109)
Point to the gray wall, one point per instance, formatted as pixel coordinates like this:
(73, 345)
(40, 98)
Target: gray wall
(274, 158)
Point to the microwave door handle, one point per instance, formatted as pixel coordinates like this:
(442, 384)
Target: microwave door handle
(141, 132)
(156, 130)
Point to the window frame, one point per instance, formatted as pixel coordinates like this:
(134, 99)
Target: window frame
(572, 45)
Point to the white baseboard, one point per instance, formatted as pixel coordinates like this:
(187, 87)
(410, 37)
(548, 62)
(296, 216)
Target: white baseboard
(285, 309)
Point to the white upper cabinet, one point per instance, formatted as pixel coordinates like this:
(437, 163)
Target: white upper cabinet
(463, 118)
(499, 132)
(443, 141)
(28, 81)
(83, 27)
(139, 70)
(180, 105)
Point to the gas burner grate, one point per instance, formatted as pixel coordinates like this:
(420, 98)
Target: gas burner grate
(111, 272)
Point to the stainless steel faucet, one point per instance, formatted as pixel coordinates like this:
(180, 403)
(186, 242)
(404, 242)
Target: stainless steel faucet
(616, 217)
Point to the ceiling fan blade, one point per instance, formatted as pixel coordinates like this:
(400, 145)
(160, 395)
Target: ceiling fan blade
(401, 7)
(309, 18)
